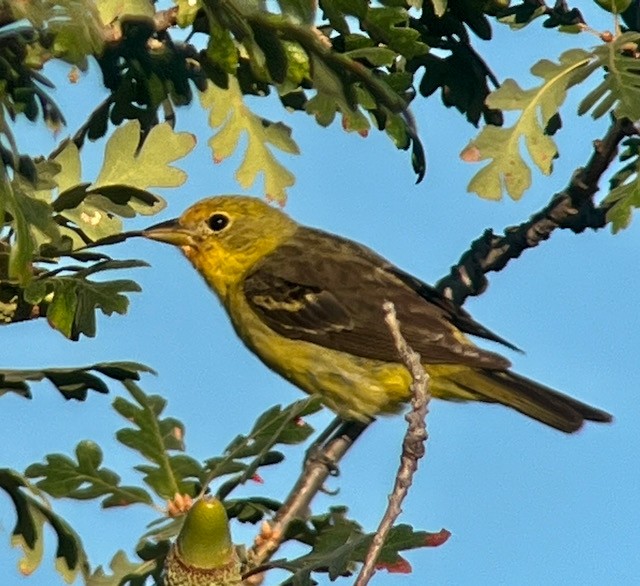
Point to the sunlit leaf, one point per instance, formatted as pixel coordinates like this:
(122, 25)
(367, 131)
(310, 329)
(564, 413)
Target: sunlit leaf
(620, 90)
(229, 114)
(187, 11)
(33, 225)
(74, 25)
(125, 572)
(507, 170)
(149, 166)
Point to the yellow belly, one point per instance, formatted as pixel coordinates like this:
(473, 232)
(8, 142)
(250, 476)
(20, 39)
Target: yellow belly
(353, 387)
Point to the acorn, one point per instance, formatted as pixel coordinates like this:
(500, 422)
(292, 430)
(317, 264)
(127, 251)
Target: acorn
(203, 554)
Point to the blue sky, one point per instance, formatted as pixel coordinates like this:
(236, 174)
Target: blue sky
(525, 504)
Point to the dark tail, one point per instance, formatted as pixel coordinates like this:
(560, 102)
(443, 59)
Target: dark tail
(531, 398)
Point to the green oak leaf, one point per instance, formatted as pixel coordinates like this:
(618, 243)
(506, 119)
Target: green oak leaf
(72, 383)
(277, 425)
(154, 438)
(93, 210)
(624, 196)
(74, 298)
(336, 12)
(389, 24)
(84, 478)
(124, 571)
(303, 11)
(33, 512)
(339, 544)
(75, 27)
(521, 15)
(148, 166)
(187, 11)
(111, 10)
(620, 89)
(33, 225)
(614, 6)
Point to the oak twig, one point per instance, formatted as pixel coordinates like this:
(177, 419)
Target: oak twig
(315, 473)
(413, 445)
(573, 209)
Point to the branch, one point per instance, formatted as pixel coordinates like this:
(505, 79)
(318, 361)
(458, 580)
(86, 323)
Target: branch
(412, 446)
(315, 473)
(573, 209)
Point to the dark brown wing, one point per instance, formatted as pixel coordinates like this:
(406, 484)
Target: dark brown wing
(458, 316)
(329, 291)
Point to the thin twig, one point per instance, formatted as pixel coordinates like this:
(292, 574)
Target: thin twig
(413, 445)
(573, 209)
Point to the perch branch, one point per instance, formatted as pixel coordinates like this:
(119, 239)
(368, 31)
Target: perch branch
(315, 473)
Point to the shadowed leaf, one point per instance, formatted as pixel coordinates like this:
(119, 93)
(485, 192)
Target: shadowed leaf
(32, 514)
(339, 544)
(72, 383)
(624, 196)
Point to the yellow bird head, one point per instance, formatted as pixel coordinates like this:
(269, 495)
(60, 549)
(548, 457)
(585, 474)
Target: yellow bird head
(225, 236)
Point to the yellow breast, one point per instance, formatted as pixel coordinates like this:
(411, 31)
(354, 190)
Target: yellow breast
(353, 387)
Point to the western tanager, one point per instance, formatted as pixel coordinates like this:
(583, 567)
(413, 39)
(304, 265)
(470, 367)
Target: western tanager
(310, 305)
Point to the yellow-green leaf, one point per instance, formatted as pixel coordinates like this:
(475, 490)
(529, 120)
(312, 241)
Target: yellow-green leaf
(507, 170)
(230, 114)
(32, 553)
(111, 9)
(187, 10)
(620, 89)
(148, 167)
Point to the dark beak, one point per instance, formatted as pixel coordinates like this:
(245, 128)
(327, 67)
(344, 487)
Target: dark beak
(170, 232)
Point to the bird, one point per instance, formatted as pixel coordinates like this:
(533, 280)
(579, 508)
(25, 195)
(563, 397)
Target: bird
(309, 304)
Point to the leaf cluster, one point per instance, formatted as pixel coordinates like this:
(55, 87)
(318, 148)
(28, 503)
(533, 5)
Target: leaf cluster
(336, 544)
(72, 383)
(361, 61)
(33, 512)
(167, 471)
(48, 217)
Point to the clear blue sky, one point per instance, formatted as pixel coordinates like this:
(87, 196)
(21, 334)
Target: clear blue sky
(525, 504)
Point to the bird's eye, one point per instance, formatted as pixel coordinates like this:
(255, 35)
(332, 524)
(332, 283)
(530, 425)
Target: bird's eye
(218, 222)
